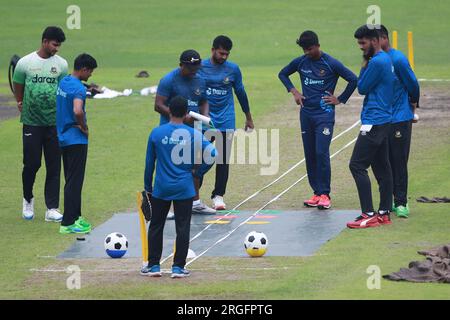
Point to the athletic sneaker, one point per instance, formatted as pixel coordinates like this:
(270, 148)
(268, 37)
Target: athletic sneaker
(170, 216)
(218, 203)
(178, 272)
(201, 208)
(312, 202)
(28, 209)
(402, 211)
(364, 221)
(384, 218)
(84, 223)
(73, 228)
(153, 271)
(324, 202)
(53, 215)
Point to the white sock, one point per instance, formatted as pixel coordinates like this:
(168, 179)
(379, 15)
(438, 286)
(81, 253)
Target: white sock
(196, 202)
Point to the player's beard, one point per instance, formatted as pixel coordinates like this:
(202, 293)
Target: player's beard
(218, 60)
(370, 53)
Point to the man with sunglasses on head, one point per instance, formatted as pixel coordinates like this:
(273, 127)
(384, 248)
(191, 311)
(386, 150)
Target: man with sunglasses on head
(185, 82)
(319, 74)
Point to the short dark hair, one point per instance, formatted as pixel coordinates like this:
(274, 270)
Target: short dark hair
(383, 31)
(54, 33)
(365, 32)
(84, 60)
(308, 39)
(178, 107)
(222, 42)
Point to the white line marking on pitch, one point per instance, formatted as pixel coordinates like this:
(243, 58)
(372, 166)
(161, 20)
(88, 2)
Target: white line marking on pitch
(262, 189)
(268, 203)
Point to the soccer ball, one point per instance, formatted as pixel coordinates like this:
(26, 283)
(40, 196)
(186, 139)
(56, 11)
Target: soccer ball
(256, 243)
(116, 245)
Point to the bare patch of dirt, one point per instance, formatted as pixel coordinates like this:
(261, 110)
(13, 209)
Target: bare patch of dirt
(8, 107)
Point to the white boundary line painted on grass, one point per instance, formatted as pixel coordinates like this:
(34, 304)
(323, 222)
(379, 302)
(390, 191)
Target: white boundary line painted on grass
(434, 80)
(262, 189)
(264, 206)
(166, 270)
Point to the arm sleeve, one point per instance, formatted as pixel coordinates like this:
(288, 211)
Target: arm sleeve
(149, 165)
(408, 78)
(284, 74)
(348, 76)
(19, 73)
(369, 77)
(80, 93)
(240, 91)
(164, 87)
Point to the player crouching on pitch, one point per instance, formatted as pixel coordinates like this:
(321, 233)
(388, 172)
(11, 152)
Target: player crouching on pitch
(175, 148)
(73, 139)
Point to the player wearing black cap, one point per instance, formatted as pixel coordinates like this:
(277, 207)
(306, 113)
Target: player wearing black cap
(185, 82)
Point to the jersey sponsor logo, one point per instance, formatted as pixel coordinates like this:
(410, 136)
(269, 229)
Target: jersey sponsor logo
(322, 72)
(306, 71)
(309, 81)
(226, 80)
(37, 79)
(216, 92)
(192, 103)
(61, 93)
(167, 140)
(197, 92)
(53, 70)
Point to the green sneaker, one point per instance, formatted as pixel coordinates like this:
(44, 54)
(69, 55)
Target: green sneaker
(402, 211)
(83, 222)
(394, 208)
(74, 228)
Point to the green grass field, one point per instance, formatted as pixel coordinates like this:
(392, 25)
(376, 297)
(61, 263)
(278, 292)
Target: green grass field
(149, 35)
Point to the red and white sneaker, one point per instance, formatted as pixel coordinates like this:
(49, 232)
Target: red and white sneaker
(324, 202)
(384, 219)
(312, 202)
(364, 221)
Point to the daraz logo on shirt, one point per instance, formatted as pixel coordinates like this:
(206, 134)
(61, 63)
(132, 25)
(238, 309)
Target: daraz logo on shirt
(167, 140)
(192, 103)
(37, 79)
(61, 93)
(217, 92)
(309, 81)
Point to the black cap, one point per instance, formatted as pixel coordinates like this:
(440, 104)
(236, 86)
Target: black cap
(190, 57)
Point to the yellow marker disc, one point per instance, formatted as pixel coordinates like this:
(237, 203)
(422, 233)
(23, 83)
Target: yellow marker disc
(217, 222)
